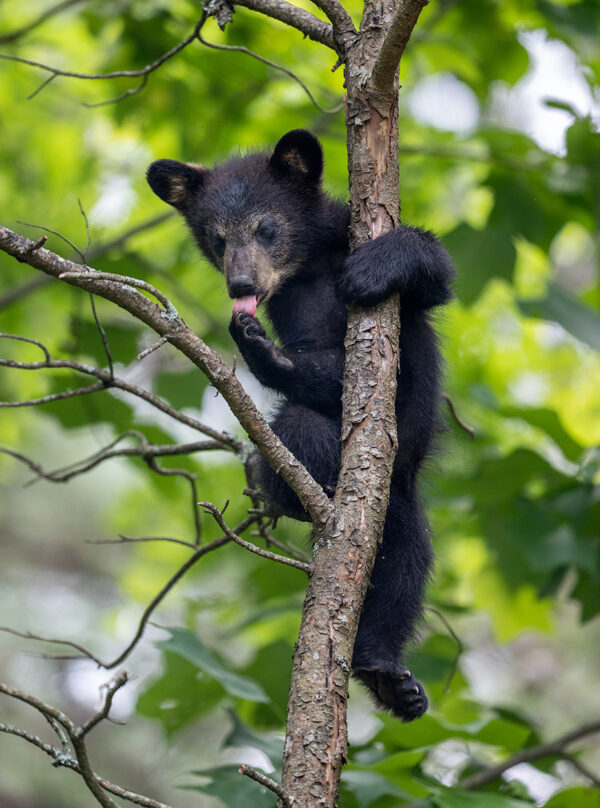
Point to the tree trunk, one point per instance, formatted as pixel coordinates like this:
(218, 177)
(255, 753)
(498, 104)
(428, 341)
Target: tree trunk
(316, 739)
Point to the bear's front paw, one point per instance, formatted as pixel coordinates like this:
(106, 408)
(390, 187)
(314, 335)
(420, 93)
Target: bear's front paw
(256, 347)
(363, 282)
(395, 689)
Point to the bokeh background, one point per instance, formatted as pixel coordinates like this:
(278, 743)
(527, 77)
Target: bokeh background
(500, 155)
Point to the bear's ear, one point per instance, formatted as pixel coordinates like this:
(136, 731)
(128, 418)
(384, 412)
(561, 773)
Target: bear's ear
(298, 155)
(175, 182)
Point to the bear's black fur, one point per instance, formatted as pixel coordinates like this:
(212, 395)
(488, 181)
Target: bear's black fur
(264, 221)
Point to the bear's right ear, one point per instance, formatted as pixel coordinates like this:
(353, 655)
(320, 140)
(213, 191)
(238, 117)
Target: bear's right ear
(298, 155)
(175, 182)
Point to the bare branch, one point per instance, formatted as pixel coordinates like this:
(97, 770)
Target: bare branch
(396, 40)
(198, 553)
(94, 275)
(109, 693)
(241, 49)
(291, 15)
(209, 507)
(147, 613)
(267, 782)
(227, 441)
(152, 348)
(12, 36)
(459, 644)
(69, 734)
(312, 496)
(22, 290)
(27, 635)
(33, 402)
(103, 336)
(468, 429)
(556, 747)
(142, 72)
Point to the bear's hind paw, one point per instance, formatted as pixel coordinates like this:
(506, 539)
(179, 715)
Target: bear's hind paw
(395, 689)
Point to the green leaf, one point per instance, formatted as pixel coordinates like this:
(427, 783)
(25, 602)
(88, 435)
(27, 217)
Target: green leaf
(367, 786)
(565, 309)
(581, 797)
(185, 644)
(179, 696)
(243, 735)
(234, 789)
(482, 799)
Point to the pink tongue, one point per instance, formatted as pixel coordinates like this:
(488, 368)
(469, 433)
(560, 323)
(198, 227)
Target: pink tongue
(247, 304)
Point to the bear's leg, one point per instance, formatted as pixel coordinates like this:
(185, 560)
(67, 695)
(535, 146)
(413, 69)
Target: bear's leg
(392, 606)
(314, 439)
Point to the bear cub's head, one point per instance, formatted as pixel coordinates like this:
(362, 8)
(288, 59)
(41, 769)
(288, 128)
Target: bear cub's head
(256, 217)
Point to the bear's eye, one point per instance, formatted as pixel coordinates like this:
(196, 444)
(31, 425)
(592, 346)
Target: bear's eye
(266, 233)
(217, 243)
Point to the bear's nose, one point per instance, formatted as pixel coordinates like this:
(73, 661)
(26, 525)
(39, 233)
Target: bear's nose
(241, 286)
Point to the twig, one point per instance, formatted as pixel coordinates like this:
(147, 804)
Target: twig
(191, 478)
(209, 507)
(313, 498)
(468, 429)
(142, 72)
(95, 275)
(457, 640)
(582, 769)
(147, 613)
(22, 290)
(73, 246)
(552, 748)
(12, 36)
(27, 635)
(275, 66)
(396, 39)
(110, 689)
(228, 441)
(153, 348)
(103, 337)
(265, 781)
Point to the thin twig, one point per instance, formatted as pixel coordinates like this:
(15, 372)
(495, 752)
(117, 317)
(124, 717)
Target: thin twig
(73, 246)
(103, 337)
(22, 290)
(142, 72)
(209, 507)
(468, 429)
(158, 344)
(109, 693)
(73, 753)
(457, 640)
(12, 36)
(267, 782)
(552, 748)
(198, 553)
(275, 66)
(228, 441)
(136, 283)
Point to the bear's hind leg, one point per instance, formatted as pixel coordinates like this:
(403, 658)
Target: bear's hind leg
(314, 439)
(392, 606)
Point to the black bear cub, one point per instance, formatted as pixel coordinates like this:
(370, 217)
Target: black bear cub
(264, 221)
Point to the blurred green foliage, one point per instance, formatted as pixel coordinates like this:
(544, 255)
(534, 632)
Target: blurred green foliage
(516, 511)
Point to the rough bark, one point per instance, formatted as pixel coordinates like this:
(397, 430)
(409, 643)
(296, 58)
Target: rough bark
(316, 738)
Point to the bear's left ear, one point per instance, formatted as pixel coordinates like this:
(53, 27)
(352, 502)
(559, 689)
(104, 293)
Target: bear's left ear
(299, 155)
(175, 182)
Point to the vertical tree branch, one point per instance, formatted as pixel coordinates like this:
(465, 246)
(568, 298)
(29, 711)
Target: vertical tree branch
(316, 739)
